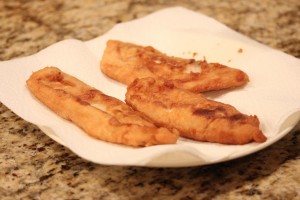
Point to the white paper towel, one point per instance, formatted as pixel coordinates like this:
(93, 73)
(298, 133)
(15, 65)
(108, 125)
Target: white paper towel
(273, 93)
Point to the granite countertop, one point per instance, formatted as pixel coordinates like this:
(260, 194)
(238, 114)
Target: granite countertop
(32, 166)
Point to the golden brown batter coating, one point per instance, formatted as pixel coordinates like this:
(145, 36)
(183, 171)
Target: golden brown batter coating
(101, 116)
(125, 62)
(192, 114)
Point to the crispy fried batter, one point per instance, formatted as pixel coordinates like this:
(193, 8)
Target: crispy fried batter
(192, 114)
(125, 62)
(99, 115)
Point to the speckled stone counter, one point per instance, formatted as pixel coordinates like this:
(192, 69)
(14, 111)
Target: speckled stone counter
(32, 166)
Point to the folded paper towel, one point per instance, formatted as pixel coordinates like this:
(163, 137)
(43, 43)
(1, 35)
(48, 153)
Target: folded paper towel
(272, 94)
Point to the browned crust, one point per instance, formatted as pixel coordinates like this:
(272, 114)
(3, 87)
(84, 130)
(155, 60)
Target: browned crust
(100, 116)
(125, 62)
(192, 114)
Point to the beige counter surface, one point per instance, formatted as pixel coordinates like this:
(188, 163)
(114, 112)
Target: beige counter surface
(33, 166)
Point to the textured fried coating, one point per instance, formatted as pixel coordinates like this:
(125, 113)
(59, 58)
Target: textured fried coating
(100, 116)
(192, 114)
(125, 62)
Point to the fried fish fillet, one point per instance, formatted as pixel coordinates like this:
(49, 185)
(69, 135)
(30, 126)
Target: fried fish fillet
(125, 62)
(101, 116)
(192, 114)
